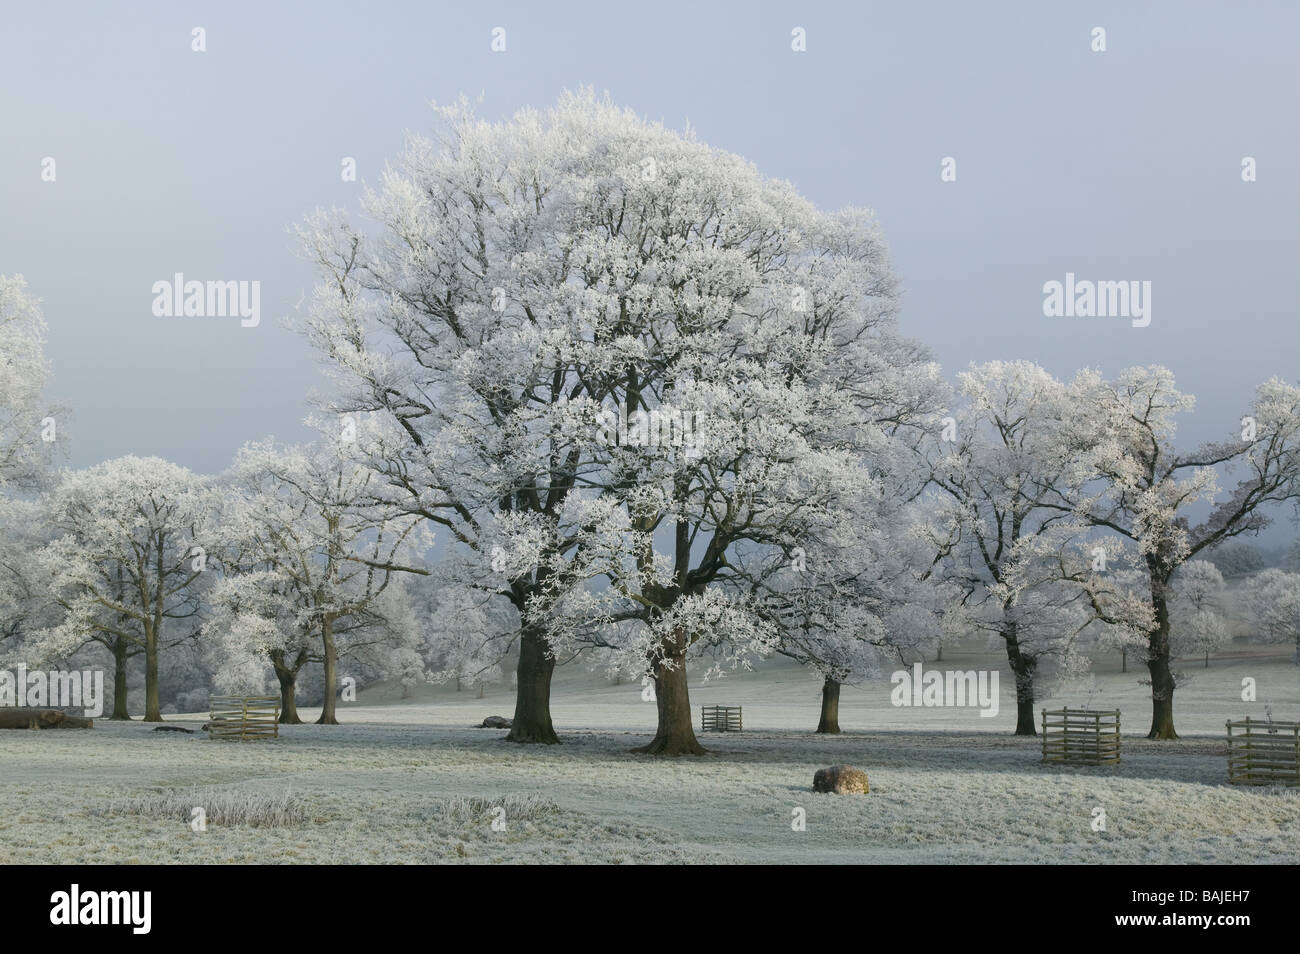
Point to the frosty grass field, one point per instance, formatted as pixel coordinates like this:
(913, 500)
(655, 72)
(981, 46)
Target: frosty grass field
(411, 782)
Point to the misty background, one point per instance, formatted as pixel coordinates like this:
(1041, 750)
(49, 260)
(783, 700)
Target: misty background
(1122, 165)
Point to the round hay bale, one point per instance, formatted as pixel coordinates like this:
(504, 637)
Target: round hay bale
(841, 780)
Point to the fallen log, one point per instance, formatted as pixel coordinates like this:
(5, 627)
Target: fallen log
(27, 717)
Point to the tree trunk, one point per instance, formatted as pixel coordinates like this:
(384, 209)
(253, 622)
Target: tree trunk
(675, 734)
(1123, 660)
(1022, 667)
(1162, 678)
(119, 681)
(830, 721)
(532, 721)
(288, 679)
(1162, 717)
(152, 711)
(327, 712)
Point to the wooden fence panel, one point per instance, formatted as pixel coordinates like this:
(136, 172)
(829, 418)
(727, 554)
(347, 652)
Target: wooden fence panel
(1263, 752)
(1081, 736)
(721, 719)
(240, 718)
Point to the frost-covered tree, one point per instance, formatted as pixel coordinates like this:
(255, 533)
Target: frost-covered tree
(768, 323)
(852, 594)
(23, 530)
(25, 433)
(1073, 590)
(1273, 597)
(257, 621)
(471, 632)
(313, 567)
(1135, 483)
(1006, 444)
(461, 325)
(1198, 625)
(23, 371)
(129, 564)
(386, 642)
(1126, 577)
(532, 282)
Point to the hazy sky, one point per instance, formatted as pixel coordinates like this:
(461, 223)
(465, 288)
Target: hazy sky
(1122, 165)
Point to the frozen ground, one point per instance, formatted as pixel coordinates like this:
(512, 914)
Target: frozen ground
(391, 784)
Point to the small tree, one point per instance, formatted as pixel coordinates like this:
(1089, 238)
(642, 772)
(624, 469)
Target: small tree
(854, 594)
(1274, 601)
(1198, 624)
(1004, 447)
(471, 633)
(259, 619)
(321, 557)
(129, 563)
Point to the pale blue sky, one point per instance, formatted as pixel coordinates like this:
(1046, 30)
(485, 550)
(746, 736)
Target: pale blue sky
(1118, 165)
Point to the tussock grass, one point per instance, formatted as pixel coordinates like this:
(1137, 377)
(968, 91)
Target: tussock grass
(528, 806)
(230, 807)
